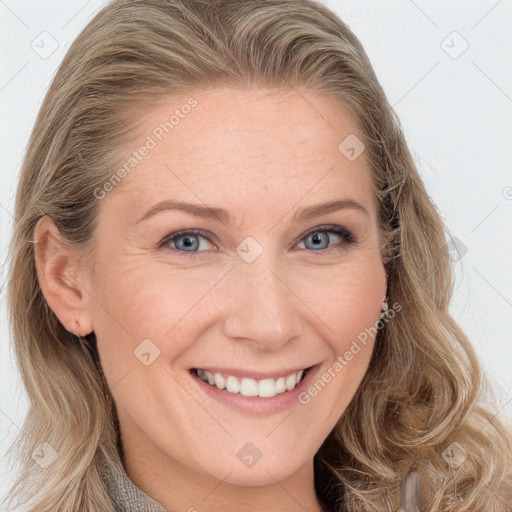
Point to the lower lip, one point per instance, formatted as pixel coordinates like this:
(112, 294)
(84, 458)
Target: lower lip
(257, 405)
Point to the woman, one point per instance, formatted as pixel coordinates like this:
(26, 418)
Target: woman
(237, 289)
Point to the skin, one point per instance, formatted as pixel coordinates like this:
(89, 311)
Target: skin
(294, 306)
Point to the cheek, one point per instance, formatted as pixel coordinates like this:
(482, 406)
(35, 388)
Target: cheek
(349, 311)
(347, 300)
(141, 301)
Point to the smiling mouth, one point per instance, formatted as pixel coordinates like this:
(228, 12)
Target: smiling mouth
(247, 386)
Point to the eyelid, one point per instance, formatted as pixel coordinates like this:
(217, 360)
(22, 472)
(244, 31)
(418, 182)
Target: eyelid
(336, 228)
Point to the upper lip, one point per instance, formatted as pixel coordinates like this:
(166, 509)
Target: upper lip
(254, 374)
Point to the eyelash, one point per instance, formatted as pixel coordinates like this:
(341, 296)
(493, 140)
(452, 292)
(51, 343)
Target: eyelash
(338, 230)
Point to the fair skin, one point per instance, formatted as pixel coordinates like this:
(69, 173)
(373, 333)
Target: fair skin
(293, 306)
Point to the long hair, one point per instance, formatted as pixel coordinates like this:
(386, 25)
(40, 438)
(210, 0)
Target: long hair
(424, 389)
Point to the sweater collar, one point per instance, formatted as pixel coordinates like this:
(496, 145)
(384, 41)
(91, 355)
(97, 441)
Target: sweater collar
(125, 495)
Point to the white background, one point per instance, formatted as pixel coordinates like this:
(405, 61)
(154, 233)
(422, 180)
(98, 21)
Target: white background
(456, 114)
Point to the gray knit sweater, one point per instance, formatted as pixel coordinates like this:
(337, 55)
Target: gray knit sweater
(126, 496)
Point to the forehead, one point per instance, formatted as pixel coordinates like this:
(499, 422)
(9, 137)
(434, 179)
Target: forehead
(246, 147)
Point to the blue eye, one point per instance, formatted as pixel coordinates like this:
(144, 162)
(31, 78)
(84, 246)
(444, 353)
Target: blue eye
(187, 242)
(322, 235)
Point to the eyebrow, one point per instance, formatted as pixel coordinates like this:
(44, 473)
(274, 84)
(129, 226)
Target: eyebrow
(222, 215)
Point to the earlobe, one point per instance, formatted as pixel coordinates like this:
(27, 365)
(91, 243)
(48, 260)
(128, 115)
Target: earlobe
(58, 274)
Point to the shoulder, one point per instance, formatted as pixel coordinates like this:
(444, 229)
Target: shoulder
(125, 495)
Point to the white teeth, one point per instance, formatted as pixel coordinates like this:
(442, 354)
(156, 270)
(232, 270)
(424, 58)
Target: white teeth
(232, 384)
(291, 380)
(265, 388)
(280, 385)
(249, 387)
(219, 380)
(209, 376)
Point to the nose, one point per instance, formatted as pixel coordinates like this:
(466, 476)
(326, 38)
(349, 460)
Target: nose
(263, 309)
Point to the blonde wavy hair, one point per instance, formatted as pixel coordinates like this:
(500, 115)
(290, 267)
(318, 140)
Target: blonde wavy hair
(424, 388)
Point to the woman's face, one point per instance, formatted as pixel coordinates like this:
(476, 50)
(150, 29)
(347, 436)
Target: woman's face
(265, 287)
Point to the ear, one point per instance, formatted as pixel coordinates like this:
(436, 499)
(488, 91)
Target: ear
(61, 277)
